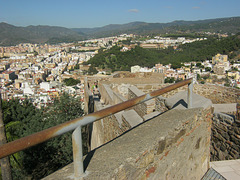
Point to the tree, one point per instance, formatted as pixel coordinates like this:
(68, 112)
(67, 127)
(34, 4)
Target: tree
(71, 81)
(199, 64)
(196, 51)
(47, 157)
(169, 80)
(5, 163)
(77, 66)
(14, 113)
(178, 80)
(199, 77)
(208, 69)
(35, 53)
(92, 70)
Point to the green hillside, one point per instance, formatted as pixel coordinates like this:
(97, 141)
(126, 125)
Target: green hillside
(221, 25)
(12, 35)
(116, 60)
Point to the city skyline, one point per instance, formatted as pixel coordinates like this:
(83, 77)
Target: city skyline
(89, 14)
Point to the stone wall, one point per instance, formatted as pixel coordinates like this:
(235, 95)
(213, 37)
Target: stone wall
(225, 138)
(143, 108)
(118, 98)
(138, 78)
(174, 145)
(105, 129)
(217, 94)
(87, 98)
(106, 94)
(160, 105)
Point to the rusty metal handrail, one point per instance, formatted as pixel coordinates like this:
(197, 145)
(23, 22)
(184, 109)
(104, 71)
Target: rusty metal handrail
(42, 136)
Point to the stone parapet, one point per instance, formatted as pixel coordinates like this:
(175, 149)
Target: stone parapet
(106, 94)
(217, 94)
(174, 145)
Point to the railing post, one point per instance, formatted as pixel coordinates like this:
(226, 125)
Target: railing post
(190, 94)
(77, 153)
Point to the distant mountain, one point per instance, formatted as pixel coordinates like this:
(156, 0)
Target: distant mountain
(12, 35)
(223, 25)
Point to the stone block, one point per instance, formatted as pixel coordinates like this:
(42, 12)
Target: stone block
(237, 130)
(132, 117)
(235, 140)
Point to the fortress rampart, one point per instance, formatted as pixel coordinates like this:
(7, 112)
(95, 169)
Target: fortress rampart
(175, 145)
(137, 143)
(217, 94)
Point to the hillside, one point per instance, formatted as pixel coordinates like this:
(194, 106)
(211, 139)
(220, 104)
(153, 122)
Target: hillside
(12, 35)
(222, 25)
(116, 60)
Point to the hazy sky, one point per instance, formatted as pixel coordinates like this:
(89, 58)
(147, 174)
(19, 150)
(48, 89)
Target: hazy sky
(96, 13)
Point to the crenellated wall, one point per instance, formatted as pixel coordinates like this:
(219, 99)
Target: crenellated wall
(112, 126)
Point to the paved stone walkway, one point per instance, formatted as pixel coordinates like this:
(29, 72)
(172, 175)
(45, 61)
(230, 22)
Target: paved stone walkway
(230, 169)
(225, 108)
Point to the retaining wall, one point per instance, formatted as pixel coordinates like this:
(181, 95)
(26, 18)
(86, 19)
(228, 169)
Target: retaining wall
(225, 143)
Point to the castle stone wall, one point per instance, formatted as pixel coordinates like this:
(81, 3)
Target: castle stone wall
(174, 145)
(225, 137)
(143, 108)
(106, 94)
(217, 94)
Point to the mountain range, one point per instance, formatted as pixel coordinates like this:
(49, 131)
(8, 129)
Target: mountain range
(12, 35)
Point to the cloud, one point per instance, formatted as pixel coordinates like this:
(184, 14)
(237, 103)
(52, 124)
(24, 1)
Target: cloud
(133, 10)
(196, 7)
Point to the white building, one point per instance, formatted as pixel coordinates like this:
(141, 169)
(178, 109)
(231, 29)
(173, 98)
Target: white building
(135, 69)
(27, 90)
(45, 85)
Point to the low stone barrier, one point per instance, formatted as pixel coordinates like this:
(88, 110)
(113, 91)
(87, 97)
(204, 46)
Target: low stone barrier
(174, 145)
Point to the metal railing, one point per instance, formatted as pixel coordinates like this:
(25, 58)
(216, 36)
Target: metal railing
(76, 124)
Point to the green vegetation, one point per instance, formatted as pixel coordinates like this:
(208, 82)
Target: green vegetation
(71, 81)
(169, 80)
(186, 35)
(175, 28)
(22, 119)
(208, 69)
(12, 35)
(92, 70)
(116, 60)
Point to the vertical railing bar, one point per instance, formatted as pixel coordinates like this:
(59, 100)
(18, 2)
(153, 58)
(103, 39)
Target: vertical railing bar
(77, 153)
(190, 95)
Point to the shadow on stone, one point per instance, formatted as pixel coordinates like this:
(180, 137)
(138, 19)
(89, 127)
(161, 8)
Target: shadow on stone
(88, 159)
(180, 102)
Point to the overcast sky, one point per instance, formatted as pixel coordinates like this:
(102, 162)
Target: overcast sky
(97, 13)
